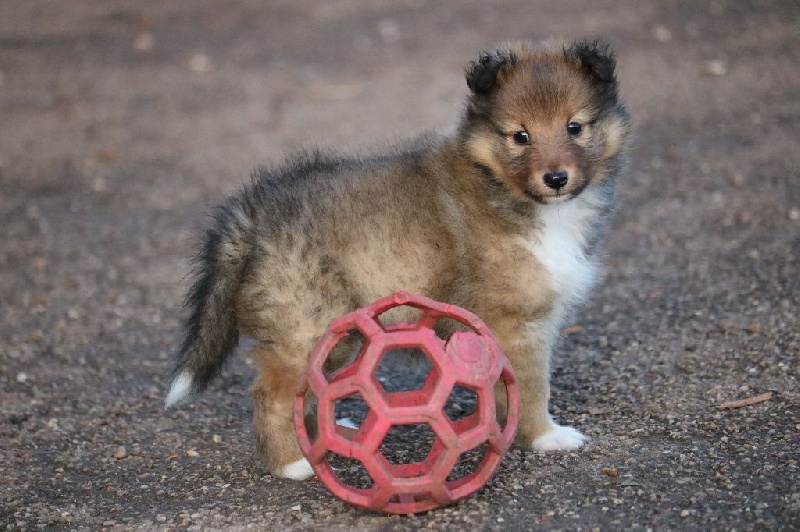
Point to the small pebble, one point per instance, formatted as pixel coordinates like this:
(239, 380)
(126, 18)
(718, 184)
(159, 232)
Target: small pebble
(610, 471)
(662, 34)
(199, 62)
(389, 31)
(716, 67)
(120, 453)
(192, 453)
(99, 184)
(144, 42)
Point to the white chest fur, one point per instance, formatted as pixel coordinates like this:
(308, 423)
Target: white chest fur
(559, 244)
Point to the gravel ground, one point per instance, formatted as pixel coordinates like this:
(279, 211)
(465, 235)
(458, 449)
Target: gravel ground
(122, 120)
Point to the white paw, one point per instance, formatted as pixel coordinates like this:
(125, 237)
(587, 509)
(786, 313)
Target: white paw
(559, 438)
(299, 470)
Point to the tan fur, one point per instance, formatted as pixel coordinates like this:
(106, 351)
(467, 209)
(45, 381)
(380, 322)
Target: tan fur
(273, 393)
(458, 218)
(615, 134)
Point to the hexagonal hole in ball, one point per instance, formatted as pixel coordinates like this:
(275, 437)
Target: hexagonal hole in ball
(339, 362)
(351, 472)
(310, 417)
(462, 402)
(350, 412)
(468, 462)
(404, 370)
(416, 497)
(445, 326)
(501, 397)
(399, 315)
(407, 444)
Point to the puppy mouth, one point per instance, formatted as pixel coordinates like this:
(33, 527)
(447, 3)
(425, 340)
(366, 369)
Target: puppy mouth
(552, 196)
(549, 199)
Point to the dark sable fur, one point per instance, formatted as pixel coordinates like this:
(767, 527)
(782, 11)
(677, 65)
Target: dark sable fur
(596, 58)
(211, 328)
(600, 62)
(482, 74)
(211, 331)
(460, 218)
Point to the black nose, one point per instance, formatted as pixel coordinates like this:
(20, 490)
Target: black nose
(556, 180)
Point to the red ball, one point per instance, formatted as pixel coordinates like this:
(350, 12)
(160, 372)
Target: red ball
(471, 359)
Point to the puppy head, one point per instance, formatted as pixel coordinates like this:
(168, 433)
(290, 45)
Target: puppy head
(545, 121)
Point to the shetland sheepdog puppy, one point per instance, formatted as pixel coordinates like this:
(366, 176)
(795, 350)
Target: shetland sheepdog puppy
(502, 216)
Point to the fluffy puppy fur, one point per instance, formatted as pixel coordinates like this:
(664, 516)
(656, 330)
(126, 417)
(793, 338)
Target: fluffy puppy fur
(501, 217)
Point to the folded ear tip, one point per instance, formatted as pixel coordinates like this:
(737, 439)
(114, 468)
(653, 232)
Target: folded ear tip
(596, 57)
(481, 75)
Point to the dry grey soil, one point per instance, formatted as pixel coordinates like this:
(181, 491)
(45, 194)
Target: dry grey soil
(122, 120)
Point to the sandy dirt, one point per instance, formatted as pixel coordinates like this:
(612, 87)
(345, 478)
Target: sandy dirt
(121, 121)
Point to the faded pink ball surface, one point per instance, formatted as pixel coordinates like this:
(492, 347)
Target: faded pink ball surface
(465, 450)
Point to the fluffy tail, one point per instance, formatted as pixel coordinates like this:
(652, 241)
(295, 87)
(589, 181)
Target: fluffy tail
(211, 332)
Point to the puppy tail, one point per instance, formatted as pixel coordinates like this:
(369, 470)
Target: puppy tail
(211, 332)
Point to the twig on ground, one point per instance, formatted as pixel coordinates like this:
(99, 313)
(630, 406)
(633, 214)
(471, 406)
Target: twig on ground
(747, 402)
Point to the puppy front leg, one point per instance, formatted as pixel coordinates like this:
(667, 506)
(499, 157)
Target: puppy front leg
(528, 347)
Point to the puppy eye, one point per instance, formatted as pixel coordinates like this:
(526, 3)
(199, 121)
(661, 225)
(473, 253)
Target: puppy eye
(574, 129)
(522, 137)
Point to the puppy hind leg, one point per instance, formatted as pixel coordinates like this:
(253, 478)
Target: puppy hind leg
(273, 397)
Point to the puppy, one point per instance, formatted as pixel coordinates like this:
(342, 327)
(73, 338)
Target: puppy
(502, 217)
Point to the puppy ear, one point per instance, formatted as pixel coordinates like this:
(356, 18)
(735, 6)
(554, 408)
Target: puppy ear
(595, 58)
(484, 74)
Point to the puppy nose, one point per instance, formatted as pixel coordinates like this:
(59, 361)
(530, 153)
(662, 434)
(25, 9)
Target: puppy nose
(556, 180)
